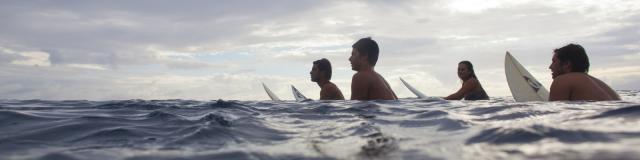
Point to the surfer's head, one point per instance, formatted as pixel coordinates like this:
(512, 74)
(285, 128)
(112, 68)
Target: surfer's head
(365, 52)
(570, 58)
(321, 69)
(465, 70)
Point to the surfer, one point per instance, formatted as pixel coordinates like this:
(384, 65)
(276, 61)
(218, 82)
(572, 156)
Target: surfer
(569, 67)
(366, 83)
(321, 74)
(471, 88)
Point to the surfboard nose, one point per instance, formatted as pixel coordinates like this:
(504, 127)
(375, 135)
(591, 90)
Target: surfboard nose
(523, 86)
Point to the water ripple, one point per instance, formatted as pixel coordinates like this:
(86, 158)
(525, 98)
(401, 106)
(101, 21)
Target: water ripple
(404, 129)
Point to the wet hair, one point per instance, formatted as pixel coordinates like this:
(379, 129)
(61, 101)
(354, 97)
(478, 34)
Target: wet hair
(470, 68)
(324, 65)
(368, 47)
(575, 54)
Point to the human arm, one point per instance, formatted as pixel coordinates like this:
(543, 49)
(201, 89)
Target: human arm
(466, 88)
(359, 87)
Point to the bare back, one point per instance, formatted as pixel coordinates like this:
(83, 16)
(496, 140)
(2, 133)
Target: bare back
(369, 85)
(580, 86)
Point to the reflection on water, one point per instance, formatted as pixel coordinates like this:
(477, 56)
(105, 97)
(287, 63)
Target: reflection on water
(404, 129)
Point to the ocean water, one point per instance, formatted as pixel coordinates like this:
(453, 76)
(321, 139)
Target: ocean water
(405, 129)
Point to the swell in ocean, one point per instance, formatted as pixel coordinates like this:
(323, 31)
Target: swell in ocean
(405, 129)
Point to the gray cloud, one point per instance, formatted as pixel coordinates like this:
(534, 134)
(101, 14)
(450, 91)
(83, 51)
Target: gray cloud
(609, 46)
(117, 32)
(422, 39)
(8, 57)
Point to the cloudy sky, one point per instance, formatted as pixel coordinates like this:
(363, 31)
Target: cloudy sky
(207, 50)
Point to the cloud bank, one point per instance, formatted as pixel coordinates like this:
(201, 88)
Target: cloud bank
(225, 49)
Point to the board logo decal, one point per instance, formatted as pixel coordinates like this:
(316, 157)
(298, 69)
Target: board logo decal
(535, 85)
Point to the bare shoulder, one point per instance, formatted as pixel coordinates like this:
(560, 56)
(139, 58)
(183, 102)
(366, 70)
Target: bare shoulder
(561, 87)
(356, 76)
(360, 86)
(580, 86)
(330, 86)
(469, 85)
(600, 82)
(362, 76)
(612, 95)
(573, 75)
(473, 81)
(571, 78)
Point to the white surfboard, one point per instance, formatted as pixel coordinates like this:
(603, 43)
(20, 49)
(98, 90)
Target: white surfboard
(271, 94)
(413, 90)
(524, 87)
(297, 94)
(419, 94)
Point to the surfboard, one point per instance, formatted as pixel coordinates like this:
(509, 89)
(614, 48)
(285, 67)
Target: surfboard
(524, 87)
(271, 94)
(297, 94)
(413, 90)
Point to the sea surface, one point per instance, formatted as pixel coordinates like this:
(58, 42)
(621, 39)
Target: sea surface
(405, 129)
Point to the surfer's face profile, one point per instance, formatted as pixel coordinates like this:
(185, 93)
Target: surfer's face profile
(557, 67)
(356, 59)
(315, 73)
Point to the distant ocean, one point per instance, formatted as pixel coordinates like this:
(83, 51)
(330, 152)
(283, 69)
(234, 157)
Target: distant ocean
(405, 129)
